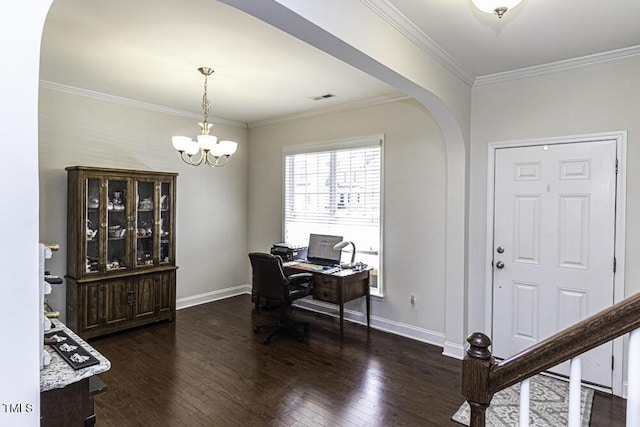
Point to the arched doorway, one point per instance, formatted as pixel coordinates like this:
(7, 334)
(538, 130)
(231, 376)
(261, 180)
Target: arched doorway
(274, 13)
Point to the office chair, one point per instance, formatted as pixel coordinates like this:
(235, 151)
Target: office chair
(271, 284)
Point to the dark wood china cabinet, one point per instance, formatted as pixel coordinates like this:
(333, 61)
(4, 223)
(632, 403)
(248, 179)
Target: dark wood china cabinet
(121, 270)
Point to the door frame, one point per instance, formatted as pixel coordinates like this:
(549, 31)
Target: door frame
(618, 384)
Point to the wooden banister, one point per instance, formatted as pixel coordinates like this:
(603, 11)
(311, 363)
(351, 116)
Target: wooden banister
(483, 376)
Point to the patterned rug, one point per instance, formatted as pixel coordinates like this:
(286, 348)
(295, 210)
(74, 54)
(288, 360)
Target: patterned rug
(548, 406)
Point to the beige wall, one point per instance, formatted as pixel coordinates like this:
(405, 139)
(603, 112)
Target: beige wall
(212, 203)
(414, 203)
(600, 98)
(215, 206)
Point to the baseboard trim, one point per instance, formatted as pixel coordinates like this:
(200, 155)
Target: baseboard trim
(454, 350)
(379, 323)
(212, 296)
(408, 331)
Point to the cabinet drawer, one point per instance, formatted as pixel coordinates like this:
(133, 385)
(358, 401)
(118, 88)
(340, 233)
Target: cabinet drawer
(325, 289)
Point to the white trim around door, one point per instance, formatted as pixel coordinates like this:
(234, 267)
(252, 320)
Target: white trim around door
(621, 151)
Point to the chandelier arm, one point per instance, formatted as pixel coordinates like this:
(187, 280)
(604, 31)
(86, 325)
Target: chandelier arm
(189, 159)
(217, 161)
(222, 160)
(209, 162)
(199, 161)
(186, 160)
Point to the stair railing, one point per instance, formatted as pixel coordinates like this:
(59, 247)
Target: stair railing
(483, 376)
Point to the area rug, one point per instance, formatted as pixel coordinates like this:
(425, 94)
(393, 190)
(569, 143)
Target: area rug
(548, 405)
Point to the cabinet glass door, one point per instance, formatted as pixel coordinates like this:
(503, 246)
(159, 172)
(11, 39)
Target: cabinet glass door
(117, 225)
(92, 215)
(165, 223)
(145, 220)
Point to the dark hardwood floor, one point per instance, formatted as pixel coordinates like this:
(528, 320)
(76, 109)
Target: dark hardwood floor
(208, 368)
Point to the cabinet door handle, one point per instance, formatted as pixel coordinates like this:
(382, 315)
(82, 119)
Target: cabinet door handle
(131, 298)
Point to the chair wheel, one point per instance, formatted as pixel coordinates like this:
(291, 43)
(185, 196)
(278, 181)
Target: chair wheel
(300, 338)
(266, 341)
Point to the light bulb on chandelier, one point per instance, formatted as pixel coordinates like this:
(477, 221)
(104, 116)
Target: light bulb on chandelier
(213, 153)
(496, 7)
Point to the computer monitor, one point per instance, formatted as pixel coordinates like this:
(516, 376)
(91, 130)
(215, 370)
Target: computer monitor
(321, 249)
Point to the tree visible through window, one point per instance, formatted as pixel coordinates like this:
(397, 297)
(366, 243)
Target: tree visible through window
(336, 190)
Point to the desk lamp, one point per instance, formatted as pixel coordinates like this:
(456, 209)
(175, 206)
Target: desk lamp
(342, 245)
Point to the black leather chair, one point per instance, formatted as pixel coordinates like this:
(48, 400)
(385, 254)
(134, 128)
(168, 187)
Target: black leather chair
(271, 284)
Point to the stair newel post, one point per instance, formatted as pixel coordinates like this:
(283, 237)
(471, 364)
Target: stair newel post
(476, 366)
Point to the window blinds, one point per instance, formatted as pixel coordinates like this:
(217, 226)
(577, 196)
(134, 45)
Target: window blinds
(339, 187)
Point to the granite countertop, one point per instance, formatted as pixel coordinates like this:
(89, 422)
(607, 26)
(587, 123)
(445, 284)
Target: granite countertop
(58, 373)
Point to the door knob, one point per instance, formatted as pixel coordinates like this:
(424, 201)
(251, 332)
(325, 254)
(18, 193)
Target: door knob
(499, 264)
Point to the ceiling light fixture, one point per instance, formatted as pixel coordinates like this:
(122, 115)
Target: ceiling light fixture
(496, 7)
(213, 153)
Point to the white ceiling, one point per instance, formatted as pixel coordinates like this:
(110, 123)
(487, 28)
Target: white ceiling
(149, 50)
(534, 33)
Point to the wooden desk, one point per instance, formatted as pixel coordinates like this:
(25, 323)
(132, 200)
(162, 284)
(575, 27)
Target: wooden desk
(336, 288)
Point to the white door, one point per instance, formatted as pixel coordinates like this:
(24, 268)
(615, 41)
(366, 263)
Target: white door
(554, 219)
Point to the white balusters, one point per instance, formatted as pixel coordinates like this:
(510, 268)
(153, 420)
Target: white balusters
(575, 397)
(633, 380)
(524, 403)
(575, 381)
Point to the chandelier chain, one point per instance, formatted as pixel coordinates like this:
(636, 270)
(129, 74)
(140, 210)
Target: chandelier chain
(206, 104)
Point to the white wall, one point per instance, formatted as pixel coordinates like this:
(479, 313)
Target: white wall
(20, 32)
(414, 205)
(600, 98)
(211, 203)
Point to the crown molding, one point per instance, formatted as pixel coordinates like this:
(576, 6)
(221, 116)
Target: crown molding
(560, 66)
(407, 28)
(99, 96)
(370, 102)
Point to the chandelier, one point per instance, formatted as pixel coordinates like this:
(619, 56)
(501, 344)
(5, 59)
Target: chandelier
(497, 7)
(212, 152)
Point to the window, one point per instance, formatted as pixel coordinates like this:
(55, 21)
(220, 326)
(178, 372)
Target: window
(335, 188)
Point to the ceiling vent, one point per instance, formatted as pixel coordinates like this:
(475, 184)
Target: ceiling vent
(321, 97)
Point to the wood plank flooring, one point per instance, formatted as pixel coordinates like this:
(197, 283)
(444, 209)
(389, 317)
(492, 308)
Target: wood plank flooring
(208, 368)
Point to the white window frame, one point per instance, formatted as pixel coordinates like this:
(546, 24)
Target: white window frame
(342, 144)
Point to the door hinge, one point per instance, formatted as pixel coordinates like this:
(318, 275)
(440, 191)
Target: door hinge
(616, 166)
(612, 363)
(615, 264)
